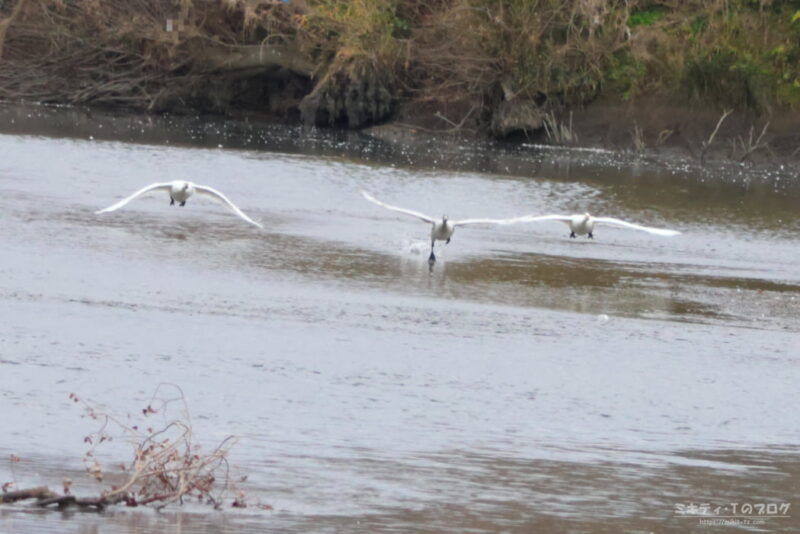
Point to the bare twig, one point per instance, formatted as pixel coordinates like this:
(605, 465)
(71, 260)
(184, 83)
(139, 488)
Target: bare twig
(707, 144)
(751, 145)
(638, 137)
(663, 135)
(167, 465)
(456, 126)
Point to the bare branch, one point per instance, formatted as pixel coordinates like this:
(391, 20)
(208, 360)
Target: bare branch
(751, 146)
(707, 144)
(167, 463)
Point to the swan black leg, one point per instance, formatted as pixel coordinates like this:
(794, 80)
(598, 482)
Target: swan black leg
(171, 201)
(591, 236)
(182, 204)
(432, 257)
(572, 235)
(447, 242)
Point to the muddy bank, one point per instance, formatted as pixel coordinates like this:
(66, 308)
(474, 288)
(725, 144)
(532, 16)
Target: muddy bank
(644, 128)
(399, 145)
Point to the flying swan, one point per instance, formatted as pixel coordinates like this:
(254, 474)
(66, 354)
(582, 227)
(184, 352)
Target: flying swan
(441, 229)
(180, 191)
(584, 224)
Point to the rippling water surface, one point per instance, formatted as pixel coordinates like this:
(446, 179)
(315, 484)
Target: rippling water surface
(527, 383)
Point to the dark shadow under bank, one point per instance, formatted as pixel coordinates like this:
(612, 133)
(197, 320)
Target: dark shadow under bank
(406, 146)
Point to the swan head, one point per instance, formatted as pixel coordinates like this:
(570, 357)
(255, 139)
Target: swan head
(444, 219)
(586, 216)
(185, 186)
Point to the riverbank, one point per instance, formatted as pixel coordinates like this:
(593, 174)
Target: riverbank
(710, 82)
(402, 146)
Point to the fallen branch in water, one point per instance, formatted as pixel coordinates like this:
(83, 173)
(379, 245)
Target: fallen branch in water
(41, 492)
(168, 464)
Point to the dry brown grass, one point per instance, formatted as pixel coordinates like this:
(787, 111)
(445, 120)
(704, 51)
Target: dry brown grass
(354, 60)
(487, 51)
(127, 52)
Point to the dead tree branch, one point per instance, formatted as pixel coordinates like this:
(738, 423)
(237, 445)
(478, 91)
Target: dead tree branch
(167, 464)
(706, 144)
(750, 146)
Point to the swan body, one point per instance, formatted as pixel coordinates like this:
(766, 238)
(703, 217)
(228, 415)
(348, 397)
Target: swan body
(583, 224)
(441, 229)
(180, 191)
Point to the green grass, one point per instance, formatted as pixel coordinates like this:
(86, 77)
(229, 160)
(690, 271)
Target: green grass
(647, 16)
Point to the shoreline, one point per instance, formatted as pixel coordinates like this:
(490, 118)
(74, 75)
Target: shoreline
(403, 145)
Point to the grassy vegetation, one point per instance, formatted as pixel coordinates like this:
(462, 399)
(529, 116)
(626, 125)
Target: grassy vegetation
(740, 53)
(743, 54)
(368, 55)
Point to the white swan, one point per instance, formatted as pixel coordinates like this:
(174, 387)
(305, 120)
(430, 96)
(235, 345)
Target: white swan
(584, 224)
(180, 191)
(442, 229)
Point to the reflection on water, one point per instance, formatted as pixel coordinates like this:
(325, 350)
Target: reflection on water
(527, 383)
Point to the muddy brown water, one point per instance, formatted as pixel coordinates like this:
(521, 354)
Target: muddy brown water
(528, 383)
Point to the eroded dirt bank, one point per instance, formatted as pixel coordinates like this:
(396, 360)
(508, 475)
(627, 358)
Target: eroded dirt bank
(684, 78)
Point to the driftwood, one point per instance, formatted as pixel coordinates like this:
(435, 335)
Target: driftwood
(40, 492)
(45, 498)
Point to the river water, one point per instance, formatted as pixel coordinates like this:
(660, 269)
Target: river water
(527, 383)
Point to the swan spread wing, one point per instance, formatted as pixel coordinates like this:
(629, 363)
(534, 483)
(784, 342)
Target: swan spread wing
(537, 218)
(152, 187)
(401, 210)
(513, 220)
(625, 224)
(210, 191)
